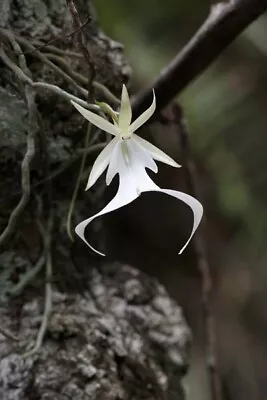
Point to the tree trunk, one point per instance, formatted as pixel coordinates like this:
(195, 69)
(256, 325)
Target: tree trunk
(122, 338)
(112, 332)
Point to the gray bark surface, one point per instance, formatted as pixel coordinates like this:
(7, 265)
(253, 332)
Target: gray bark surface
(123, 338)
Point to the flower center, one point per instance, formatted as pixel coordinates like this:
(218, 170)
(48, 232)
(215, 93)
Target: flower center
(125, 134)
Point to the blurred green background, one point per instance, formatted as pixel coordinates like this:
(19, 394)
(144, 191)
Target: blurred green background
(226, 108)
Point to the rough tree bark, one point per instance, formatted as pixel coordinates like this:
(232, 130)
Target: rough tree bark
(113, 332)
(123, 338)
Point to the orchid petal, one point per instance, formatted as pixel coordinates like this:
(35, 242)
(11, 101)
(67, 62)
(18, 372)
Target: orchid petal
(113, 168)
(97, 120)
(155, 152)
(126, 194)
(145, 116)
(134, 157)
(193, 203)
(121, 199)
(101, 163)
(125, 115)
(143, 157)
(133, 181)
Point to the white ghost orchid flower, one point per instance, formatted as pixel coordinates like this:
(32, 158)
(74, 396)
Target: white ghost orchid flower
(129, 155)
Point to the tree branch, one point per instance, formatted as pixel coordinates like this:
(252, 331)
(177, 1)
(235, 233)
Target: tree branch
(224, 23)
